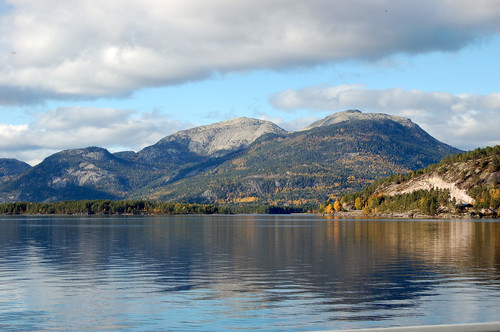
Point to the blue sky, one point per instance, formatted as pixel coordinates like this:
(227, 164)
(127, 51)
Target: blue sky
(122, 76)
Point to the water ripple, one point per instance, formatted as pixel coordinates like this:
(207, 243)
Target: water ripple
(192, 274)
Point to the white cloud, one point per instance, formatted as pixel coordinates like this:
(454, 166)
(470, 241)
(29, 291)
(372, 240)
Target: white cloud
(78, 127)
(465, 121)
(291, 124)
(91, 48)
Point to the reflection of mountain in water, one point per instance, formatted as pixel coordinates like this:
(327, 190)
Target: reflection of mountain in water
(351, 270)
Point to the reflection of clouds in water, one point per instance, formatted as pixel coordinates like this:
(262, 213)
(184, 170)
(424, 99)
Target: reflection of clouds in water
(260, 271)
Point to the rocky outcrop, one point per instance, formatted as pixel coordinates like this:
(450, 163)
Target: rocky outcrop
(459, 177)
(428, 182)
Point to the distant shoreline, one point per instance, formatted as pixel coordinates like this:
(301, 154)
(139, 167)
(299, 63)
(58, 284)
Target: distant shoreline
(342, 214)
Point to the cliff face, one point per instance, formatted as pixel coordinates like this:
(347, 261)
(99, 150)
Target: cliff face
(431, 181)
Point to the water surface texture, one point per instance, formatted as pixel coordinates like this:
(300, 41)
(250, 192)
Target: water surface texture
(245, 272)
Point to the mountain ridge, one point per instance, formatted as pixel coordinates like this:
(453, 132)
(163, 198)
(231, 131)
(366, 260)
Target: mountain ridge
(346, 144)
(308, 164)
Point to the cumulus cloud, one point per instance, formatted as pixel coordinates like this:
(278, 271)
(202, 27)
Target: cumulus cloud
(77, 127)
(91, 48)
(463, 120)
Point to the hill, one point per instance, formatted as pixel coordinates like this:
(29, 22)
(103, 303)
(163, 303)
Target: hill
(238, 161)
(463, 183)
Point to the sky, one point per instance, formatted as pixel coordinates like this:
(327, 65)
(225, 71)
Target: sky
(124, 74)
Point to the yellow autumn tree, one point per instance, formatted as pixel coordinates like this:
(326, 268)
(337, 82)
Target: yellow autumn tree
(337, 206)
(358, 203)
(329, 208)
(366, 210)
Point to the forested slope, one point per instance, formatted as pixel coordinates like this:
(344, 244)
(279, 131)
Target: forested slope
(463, 183)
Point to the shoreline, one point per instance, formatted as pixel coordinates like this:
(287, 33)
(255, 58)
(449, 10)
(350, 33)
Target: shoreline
(465, 327)
(356, 214)
(409, 215)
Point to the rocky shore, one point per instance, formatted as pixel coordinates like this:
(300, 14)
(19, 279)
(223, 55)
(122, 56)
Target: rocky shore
(409, 215)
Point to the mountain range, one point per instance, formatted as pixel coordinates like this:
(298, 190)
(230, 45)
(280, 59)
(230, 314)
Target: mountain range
(236, 161)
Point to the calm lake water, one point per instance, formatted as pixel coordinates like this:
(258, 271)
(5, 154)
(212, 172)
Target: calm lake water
(245, 272)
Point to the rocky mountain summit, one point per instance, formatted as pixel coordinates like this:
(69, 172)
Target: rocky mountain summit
(236, 161)
(351, 115)
(218, 138)
(213, 140)
(309, 166)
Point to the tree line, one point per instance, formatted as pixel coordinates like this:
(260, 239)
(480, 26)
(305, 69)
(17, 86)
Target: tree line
(105, 207)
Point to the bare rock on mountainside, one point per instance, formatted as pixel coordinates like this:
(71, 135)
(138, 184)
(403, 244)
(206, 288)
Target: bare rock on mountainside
(11, 168)
(212, 140)
(87, 173)
(428, 182)
(458, 176)
(226, 136)
(461, 185)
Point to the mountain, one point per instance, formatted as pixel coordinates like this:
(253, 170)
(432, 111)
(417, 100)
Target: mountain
(237, 161)
(89, 173)
(309, 165)
(469, 179)
(352, 115)
(10, 168)
(201, 143)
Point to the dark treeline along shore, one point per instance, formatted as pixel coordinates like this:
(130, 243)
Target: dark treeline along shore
(137, 207)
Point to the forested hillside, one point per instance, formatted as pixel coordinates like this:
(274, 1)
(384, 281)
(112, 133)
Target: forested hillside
(309, 166)
(10, 168)
(466, 183)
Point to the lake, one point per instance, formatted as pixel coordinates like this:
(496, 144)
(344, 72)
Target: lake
(248, 272)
